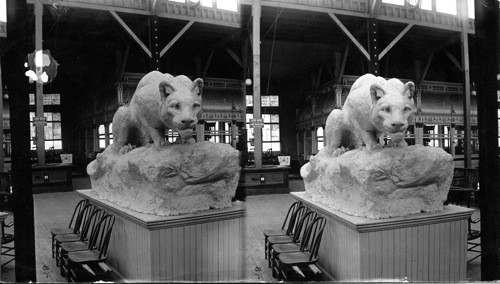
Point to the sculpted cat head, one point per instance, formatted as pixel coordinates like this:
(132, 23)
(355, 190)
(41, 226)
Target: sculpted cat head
(181, 103)
(392, 107)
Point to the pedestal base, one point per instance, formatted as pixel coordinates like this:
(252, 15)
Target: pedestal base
(203, 246)
(422, 247)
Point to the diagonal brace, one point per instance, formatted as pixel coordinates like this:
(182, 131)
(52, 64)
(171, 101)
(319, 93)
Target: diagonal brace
(350, 36)
(131, 33)
(176, 38)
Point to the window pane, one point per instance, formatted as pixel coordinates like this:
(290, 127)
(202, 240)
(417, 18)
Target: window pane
(266, 132)
(102, 143)
(319, 132)
(448, 7)
(57, 130)
(49, 144)
(58, 144)
(249, 116)
(275, 146)
(56, 99)
(230, 5)
(395, 2)
(206, 3)
(426, 5)
(275, 118)
(275, 132)
(249, 100)
(49, 135)
(470, 9)
(48, 115)
(56, 116)
(265, 101)
(274, 100)
(33, 131)
(101, 129)
(267, 118)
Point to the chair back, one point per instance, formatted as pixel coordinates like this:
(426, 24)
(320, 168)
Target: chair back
(289, 214)
(100, 237)
(76, 212)
(472, 178)
(312, 238)
(82, 217)
(295, 219)
(5, 182)
(5, 190)
(91, 224)
(303, 224)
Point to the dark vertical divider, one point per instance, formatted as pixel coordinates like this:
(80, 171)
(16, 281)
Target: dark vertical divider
(487, 55)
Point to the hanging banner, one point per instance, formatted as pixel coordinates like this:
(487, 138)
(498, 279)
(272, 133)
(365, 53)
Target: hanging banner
(42, 67)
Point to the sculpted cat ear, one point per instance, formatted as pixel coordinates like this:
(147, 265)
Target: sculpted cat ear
(165, 89)
(409, 90)
(376, 92)
(197, 87)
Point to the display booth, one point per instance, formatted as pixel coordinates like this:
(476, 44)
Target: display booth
(420, 247)
(203, 246)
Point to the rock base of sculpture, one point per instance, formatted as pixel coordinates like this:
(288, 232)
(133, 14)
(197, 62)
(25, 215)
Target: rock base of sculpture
(380, 183)
(172, 180)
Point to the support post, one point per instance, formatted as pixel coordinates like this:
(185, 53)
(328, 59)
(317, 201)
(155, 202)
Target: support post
(22, 194)
(373, 37)
(40, 131)
(256, 10)
(1, 122)
(466, 71)
(487, 49)
(154, 47)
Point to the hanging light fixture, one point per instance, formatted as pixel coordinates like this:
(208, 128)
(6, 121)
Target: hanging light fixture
(248, 82)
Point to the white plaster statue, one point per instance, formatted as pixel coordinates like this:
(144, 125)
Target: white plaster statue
(183, 178)
(374, 106)
(376, 181)
(160, 102)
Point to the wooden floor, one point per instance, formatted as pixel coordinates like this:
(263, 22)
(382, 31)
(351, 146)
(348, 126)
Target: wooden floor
(263, 211)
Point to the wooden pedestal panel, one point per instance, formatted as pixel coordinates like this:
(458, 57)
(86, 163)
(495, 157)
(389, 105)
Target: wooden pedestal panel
(204, 246)
(422, 247)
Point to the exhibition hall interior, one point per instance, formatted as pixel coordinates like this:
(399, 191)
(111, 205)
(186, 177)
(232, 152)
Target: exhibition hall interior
(249, 140)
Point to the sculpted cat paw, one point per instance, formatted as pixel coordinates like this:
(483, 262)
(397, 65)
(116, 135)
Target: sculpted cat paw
(374, 106)
(160, 102)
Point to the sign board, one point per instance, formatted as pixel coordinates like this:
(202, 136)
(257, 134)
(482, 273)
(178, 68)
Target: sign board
(67, 158)
(39, 120)
(284, 160)
(256, 122)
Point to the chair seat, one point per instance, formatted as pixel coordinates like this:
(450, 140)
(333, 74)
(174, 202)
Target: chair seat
(67, 238)
(7, 238)
(85, 256)
(295, 258)
(276, 232)
(60, 231)
(74, 246)
(473, 234)
(280, 239)
(286, 248)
